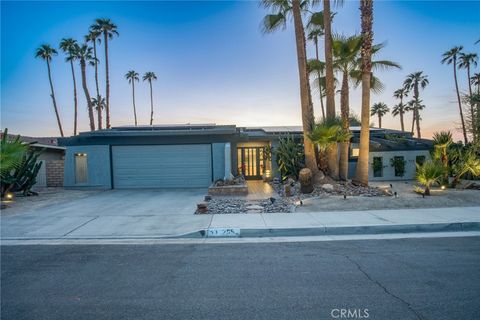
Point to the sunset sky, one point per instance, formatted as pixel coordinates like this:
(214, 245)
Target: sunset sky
(213, 63)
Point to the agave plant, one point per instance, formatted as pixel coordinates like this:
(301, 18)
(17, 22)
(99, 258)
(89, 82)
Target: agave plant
(290, 157)
(468, 163)
(429, 173)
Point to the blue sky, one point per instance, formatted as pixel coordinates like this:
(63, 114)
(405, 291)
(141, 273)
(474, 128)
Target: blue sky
(213, 63)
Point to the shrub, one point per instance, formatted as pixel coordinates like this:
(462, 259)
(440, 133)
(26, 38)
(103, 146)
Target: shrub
(429, 173)
(398, 163)
(290, 157)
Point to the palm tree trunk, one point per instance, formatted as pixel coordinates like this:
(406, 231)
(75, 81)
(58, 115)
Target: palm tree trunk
(402, 125)
(366, 9)
(344, 145)
(133, 98)
(151, 102)
(419, 132)
(416, 111)
(319, 82)
(413, 121)
(380, 121)
(75, 102)
(107, 82)
(54, 100)
(99, 110)
(329, 83)
(87, 95)
(459, 101)
(305, 97)
(472, 110)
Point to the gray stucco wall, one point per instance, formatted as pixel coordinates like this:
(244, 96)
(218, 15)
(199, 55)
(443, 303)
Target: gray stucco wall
(218, 160)
(389, 171)
(98, 166)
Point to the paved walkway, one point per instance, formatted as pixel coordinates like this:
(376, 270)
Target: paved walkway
(259, 190)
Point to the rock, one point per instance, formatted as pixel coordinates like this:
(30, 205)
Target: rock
(319, 176)
(306, 180)
(254, 207)
(327, 187)
(288, 190)
(202, 207)
(208, 197)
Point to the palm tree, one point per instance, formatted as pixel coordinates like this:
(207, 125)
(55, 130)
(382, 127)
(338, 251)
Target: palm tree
(84, 54)
(313, 35)
(415, 105)
(442, 141)
(414, 82)
(366, 9)
(475, 81)
(99, 105)
(94, 36)
(272, 22)
(108, 29)
(466, 61)
(149, 76)
(68, 46)
(380, 109)
(450, 57)
(46, 52)
(132, 76)
(400, 108)
(429, 173)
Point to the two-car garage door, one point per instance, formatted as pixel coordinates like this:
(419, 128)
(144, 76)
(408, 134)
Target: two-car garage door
(162, 166)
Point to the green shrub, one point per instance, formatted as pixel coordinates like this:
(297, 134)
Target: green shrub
(290, 157)
(429, 173)
(398, 163)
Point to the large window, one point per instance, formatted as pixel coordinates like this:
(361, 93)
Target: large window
(398, 163)
(377, 166)
(420, 160)
(81, 173)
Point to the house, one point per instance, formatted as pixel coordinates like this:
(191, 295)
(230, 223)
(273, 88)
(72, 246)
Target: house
(51, 171)
(194, 155)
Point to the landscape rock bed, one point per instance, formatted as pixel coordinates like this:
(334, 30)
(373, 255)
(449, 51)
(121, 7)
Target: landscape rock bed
(235, 205)
(329, 189)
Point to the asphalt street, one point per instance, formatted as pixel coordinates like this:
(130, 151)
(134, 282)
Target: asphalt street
(434, 278)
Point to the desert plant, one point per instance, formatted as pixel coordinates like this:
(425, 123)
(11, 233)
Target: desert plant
(306, 180)
(442, 141)
(398, 163)
(290, 157)
(429, 173)
(468, 163)
(11, 153)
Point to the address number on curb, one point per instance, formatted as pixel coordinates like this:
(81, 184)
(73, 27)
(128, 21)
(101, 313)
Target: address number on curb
(223, 232)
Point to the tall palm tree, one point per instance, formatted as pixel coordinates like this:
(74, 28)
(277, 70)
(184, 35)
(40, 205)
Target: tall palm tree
(313, 35)
(46, 52)
(150, 76)
(451, 57)
(93, 37)
(466, 61)
(366, 10)
(475, 81)
(414, 82)
(399, 109)
(132, 76)
(272, 22)
(99, 105)
(108, 29)
(68, 46)
(380, 109)
(345, 51)
(84, 54)
(415, 105)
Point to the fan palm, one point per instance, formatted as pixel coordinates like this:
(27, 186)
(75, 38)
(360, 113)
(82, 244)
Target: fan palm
(84, 54)
(414, 82)
(150, 76)
(277, 20)
(442, 141)
(132, 76)
(46, 52)
(68, 46)
(366, 11)
(429, 173)
(99, 105)
(451, 57)
(468, 162)
(11, 153)
(400, 108)
(108, 29)
(93, 37)
(379, 109)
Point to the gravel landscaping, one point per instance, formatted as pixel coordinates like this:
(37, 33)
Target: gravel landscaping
(223, 205)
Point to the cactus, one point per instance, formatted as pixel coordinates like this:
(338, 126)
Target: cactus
(305, 178)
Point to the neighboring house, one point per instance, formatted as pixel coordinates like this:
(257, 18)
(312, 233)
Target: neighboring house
(52, 158)
(190, 156)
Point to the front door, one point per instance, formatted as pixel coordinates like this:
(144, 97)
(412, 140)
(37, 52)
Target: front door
(251, 162)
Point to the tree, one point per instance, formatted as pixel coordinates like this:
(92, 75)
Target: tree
(416, 105)
(475, 81)
(379, 109)
(451, 57)
(108, 29)
(99, 105)
(366, 10)
(442, 141)
(272, 22)
(46, 52)
(68, 46)
(150, 76)
(466, 61)
(429, 173)
(132, 76)
(84, 54)
(414, 82)
(94, 36)
(399, 109)
(313, 35)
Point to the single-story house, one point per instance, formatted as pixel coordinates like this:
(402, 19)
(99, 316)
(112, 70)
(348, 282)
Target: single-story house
(52, 170)
(183, 156)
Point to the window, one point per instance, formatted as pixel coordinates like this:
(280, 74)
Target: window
(81, 174)
(377, 166)
(420, 160)
(355, 152)
(398, 163)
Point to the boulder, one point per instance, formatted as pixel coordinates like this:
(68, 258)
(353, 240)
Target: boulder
(327, 187)
(306, 180)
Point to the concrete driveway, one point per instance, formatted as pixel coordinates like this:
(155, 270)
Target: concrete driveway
(110, 214)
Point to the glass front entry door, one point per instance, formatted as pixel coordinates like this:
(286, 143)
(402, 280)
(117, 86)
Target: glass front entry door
(251, 162)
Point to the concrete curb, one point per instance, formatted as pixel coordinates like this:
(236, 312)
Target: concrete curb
(346, 230)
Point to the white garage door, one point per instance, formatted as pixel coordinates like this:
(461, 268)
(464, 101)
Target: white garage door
(162, 166)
